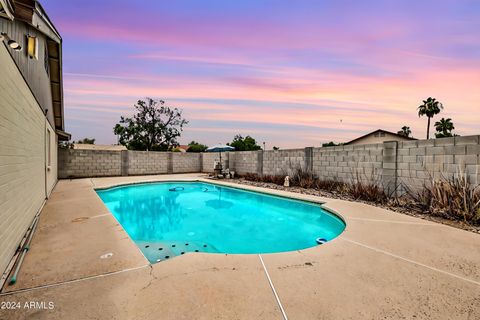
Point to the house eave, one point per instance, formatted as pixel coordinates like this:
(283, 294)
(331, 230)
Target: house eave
(62, 135)
(6, 9)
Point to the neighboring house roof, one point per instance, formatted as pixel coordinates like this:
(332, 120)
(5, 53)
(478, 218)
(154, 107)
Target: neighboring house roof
(378, 131)
(183, 148)
(86, 146)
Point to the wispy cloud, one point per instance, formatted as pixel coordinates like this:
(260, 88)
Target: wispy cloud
(292, 73)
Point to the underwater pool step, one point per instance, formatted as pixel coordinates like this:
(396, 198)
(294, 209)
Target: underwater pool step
(161, 251)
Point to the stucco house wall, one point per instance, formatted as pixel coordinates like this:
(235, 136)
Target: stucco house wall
(24, 181)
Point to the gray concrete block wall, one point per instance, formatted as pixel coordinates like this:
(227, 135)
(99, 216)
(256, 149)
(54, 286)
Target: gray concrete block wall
(186, 162)
(88, 163)
(421, 161)
(243, 162)
(349, 163)
(209, 159)
(283, 162)
(389, 167)
(392, 165)
(147, 162)
(96, 163)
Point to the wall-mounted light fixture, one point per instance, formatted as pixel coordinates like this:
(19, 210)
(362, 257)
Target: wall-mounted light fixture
(32, 47)
(14, 45)
(11, 43)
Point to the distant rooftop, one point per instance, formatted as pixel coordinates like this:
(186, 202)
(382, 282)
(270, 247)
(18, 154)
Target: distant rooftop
(86, 146)
(379, 136)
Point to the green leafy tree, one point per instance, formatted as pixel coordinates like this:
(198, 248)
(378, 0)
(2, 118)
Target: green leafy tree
(65, 145)
(329, 144)
(86, 141)
(154, 126)
(405, 131)
(429, 108)
(196, 147)
(244, 144)
(444, 128)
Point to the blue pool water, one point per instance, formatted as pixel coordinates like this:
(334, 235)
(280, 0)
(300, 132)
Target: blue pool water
(201, 217)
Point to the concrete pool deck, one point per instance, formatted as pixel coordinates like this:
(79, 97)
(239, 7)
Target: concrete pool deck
(385, 265)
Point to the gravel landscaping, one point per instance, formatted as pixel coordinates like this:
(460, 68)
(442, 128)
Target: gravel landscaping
(396, 205)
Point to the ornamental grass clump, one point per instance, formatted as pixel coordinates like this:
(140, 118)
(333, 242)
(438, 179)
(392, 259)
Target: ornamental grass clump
(454, 198)
(303, 178)
(366, 191)
(366, 187)
(276, 179)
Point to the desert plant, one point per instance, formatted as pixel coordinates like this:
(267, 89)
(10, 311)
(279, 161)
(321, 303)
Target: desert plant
(366, 187)
(303, 178)
(276, 179)
(249, 176)
(330, 185)
(452, 197)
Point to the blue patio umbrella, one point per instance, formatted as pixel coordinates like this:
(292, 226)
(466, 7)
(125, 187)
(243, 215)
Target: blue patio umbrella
(220, 148)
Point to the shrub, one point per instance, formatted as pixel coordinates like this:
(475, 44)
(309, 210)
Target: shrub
(357, 189)
(452, 198)
(276, 179)
(330, 185)
(249, 176)
(366, 187)
(303, 178)
(366, 191)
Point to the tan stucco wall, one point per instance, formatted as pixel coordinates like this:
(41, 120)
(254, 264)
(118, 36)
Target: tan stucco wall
(22, 157)
(371, 139)
(52, 168)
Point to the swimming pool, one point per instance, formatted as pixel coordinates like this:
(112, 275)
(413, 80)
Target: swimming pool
(167, 219)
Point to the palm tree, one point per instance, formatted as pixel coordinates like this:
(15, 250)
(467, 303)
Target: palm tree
(444, 128)
(429, 108)
(405, 131)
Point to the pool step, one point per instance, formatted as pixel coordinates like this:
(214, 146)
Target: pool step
(161, 251)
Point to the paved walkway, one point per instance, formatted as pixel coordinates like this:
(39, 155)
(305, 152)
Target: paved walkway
(384, 266)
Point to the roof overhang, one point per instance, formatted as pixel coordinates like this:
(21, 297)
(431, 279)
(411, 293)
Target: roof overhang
(43, 23)
(6, 9)
(63, 136)
(56, 80)
(32, 12)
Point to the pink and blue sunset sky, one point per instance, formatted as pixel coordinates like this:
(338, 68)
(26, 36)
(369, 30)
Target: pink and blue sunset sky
(290, 73)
